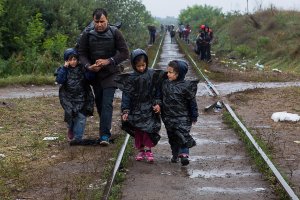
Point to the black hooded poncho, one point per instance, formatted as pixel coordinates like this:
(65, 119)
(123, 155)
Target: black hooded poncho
(139, 96)
(75, 93)
(179, 107)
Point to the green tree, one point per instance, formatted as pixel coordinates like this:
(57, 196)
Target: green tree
(33, 40)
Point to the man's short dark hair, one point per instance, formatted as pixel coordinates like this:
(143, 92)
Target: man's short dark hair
(99, 12)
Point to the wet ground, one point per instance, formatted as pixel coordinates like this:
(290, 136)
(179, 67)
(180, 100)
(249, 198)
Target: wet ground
(224, 89)
(219, 167)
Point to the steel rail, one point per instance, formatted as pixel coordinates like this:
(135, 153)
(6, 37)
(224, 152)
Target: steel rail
(110, 181)
(274, 170)
(209, 84)
(279, 177)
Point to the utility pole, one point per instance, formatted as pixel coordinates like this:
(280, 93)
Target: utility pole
(247, 8)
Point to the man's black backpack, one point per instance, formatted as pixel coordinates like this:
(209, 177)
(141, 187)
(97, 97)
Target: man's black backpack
(90, 27)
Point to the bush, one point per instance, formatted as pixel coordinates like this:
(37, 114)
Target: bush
(3, 67)
(245, 51)
(262, 43)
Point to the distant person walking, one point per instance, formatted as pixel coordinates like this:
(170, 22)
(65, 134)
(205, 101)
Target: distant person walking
(172, 34)
(100, 51)
(209, 38)
(152, 34)
(186, 33)
(201, 43)
(181, 31)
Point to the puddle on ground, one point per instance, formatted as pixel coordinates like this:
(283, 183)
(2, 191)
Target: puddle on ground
(215, 157)
(225, 141)
(230, 190)
(205, 141)
(223, 88)
(194, 173)
(228, 88)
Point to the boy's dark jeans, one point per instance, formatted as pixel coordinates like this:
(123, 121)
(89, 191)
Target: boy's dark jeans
(104, 103)
(175, 147)
(78, 126)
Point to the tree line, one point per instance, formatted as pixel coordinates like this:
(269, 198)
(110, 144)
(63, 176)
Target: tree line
(34, 34)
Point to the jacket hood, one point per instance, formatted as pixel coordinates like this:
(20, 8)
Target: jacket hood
(69, 52)
(183, 69)
(135, 53)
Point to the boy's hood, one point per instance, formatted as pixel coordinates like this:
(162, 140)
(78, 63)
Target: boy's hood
(183, 69)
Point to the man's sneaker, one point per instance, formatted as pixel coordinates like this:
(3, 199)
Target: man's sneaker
(104, 140)
(184, 159)
(174, 159)
(140, 156)
(70, 134)
(149, 156)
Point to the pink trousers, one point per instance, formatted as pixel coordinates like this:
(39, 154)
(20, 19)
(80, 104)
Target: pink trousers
(142, 139)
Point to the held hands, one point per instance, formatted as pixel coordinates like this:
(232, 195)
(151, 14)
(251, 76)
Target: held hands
(156, 108)
(94, 68)
(124, 115)
(100, 63)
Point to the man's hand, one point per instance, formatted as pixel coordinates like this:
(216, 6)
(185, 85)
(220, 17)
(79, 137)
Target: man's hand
(94, 68)
(102, 62)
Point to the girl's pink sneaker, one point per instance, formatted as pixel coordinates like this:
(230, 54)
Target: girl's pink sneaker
(140, 156)
(149, 156)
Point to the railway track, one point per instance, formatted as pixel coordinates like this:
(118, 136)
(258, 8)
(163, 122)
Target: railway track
(220, 167)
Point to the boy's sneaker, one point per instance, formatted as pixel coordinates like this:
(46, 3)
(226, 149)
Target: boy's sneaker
(140, 156)
(174, 159)
(149, 156)
(104, 140)
(184, 159)
(75, 142)
(70, 134)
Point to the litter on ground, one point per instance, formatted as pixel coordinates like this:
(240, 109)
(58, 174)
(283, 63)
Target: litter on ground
(285, 116)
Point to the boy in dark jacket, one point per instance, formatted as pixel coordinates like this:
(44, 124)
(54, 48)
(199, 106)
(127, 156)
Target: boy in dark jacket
(75, 94)
(179, 110)
(141, 104)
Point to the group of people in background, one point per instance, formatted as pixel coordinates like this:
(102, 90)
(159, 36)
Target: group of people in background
(184, 32)
(92, 73)
(203, 43)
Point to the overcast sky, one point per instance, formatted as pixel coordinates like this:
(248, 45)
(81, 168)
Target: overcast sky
(163, 8)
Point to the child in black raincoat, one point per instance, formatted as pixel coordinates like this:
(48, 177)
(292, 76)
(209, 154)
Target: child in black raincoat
(179, 110)
(75, 94)
(141, 104)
